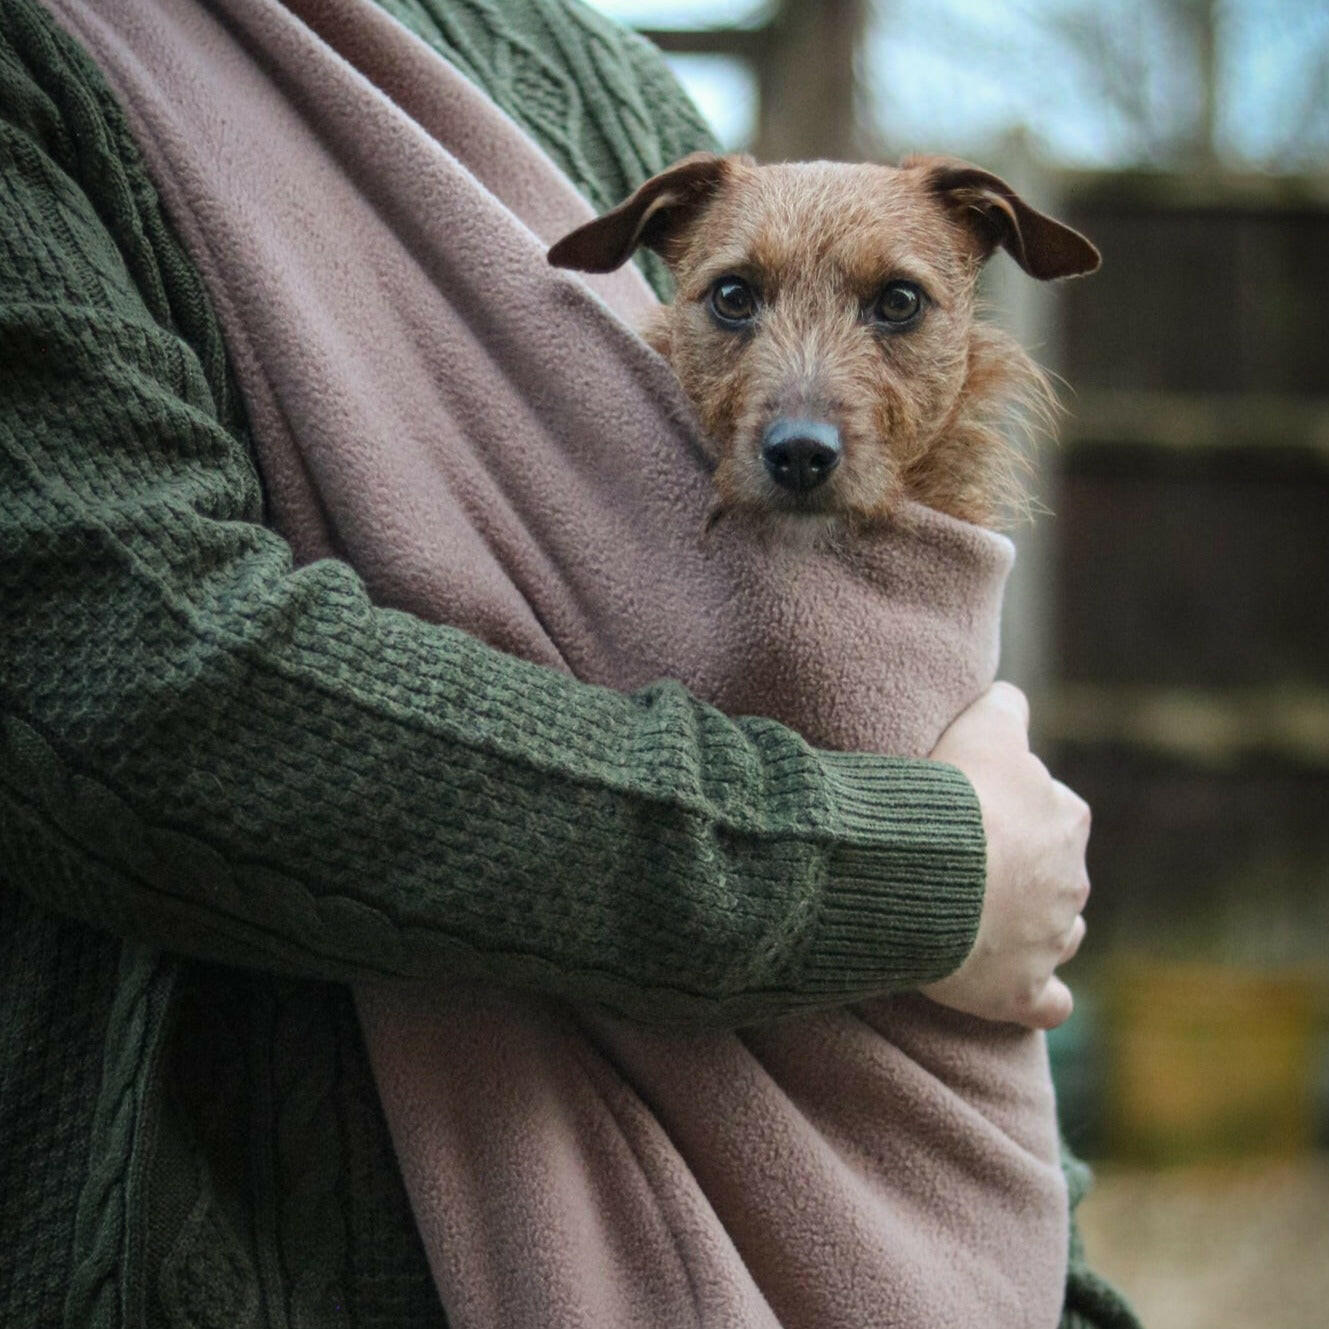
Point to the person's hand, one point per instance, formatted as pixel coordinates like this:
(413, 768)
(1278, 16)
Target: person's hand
(1037, 883)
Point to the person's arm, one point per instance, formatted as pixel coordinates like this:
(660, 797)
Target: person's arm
(205, 747)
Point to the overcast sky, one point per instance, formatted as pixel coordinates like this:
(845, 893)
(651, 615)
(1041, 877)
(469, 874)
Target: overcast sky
(1094, 83)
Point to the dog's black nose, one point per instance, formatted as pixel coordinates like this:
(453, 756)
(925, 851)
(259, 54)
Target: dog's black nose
(800, 454)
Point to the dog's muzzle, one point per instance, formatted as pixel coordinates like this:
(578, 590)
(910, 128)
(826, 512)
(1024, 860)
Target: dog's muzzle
(800, 454)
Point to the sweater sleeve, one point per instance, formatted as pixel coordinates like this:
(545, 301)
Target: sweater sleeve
(208, 748)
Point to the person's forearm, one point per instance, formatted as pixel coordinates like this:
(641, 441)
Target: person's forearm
(299, 780)
(208, 749)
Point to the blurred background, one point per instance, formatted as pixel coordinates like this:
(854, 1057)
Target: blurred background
(1168, 617)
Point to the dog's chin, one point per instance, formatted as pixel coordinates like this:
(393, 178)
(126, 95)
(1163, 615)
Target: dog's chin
(787, 521)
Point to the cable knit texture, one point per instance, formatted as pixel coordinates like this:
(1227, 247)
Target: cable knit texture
(209, 750)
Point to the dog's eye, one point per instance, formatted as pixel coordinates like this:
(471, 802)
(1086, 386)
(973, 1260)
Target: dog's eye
(733, 300)
(901, 302)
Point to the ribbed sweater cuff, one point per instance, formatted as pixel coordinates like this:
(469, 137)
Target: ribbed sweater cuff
(904, 886)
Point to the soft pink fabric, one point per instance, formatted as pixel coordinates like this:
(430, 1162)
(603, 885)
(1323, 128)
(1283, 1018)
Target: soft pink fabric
(490, 445)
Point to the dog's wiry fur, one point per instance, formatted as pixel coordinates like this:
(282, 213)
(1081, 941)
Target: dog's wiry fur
(931, 411)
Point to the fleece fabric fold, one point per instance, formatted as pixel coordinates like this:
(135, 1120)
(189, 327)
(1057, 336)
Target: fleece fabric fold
(490, 445)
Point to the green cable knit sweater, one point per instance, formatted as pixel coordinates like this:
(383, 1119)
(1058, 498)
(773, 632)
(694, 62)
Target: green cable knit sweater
(228, 786)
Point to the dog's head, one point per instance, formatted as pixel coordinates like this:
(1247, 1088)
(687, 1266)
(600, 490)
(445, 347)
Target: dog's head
(824, 313)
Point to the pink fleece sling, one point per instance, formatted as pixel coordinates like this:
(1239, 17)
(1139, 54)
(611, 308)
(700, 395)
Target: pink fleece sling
(488, 442)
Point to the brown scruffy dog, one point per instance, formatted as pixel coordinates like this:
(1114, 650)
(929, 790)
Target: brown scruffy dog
(823, 326)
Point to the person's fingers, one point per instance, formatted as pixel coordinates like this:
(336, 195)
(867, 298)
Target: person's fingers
(1053, 1006)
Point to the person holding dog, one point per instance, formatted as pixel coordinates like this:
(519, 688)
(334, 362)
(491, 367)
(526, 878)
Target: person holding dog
(231, 785)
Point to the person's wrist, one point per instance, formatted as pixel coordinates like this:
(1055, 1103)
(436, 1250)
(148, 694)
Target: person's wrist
(904, 881)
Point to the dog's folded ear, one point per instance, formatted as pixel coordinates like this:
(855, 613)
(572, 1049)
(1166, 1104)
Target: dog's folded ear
(1043, 247)
(659, 211)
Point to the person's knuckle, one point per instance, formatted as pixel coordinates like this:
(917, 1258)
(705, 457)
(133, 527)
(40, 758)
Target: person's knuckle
(1084, 822)
(1072, 805)
(1074, 940)
(1029, 995)
(1056, 1005)
(1010, 702)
